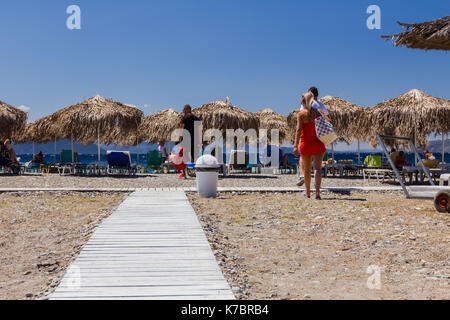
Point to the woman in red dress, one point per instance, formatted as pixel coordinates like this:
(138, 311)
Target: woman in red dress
(311, 148)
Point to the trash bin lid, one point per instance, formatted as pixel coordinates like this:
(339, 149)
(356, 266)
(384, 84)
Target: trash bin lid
(207, 162)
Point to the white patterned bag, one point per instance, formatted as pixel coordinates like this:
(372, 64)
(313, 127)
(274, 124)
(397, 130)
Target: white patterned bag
(324, 130)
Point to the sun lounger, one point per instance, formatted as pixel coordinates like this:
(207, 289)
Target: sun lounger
(240, 163)
(66, 164)
(120, 161)
(33, 167)
(281, 168)
(443, 178)
(8, 166)
(154, 160)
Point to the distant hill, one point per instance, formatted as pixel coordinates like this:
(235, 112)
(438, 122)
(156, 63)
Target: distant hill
(436, 146)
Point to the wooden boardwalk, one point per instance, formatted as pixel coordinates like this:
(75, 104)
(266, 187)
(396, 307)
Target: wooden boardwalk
(152, 247)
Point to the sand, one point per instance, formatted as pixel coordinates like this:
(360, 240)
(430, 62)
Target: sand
(163, 181)
(41, 233)
(282, 246)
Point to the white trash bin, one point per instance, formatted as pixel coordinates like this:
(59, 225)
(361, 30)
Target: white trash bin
(207, 172)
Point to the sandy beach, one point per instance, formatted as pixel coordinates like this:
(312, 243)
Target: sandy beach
(41, 233)
(282, 246)
(165, 181)
(268, 245)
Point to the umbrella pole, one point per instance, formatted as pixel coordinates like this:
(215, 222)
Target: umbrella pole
(415, 139)
(137, 151)
(359, 153)
(71, 142)
(55, 150)
(33, 150)
(98, 142)
(443, 148)
(332, 151)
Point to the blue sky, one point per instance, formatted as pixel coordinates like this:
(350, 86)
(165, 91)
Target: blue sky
(159, 54)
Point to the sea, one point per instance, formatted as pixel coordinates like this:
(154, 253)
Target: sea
(339, 155)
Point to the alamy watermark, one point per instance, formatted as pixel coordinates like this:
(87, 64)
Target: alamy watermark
(238, 140)
(74, 20)
(374, 20)
(374, 280)
(72, 280)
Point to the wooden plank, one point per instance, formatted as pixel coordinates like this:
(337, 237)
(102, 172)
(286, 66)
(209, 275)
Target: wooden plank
(151, 247)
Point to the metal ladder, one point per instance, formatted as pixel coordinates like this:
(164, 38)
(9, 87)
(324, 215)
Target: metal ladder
(397, 173)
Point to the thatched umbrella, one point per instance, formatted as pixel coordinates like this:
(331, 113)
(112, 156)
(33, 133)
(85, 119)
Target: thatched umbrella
(96, 119)
(344, 116)
(159, 126)
(271, 120)
(12, 120)
(222, 116)
(156, 127)
(36, 131)
(427, 35)
(414, 114)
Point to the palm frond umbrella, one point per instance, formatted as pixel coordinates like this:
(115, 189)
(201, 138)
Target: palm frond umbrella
(37, 131)
(96, 119)
(431, 35)
(426, 36)
(222, 115)
(12, 120)
(159, 127)
(344, 116)
(271, 120)
(414, 114)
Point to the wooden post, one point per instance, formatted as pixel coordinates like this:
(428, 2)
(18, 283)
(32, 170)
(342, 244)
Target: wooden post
(137, 151)
(71, 142)
(359, 153)
(443, 148)
(332, 151)
(98, 141)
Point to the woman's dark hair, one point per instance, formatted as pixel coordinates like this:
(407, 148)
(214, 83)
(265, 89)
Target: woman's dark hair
(314, 91)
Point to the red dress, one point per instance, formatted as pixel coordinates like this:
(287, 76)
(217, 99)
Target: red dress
(310, 144)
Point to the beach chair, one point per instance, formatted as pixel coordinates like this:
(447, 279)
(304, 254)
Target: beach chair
(240, 163)
(154, 160)
(7, 166)
(32, 167)
(282, 167)
(65, 162)
(373, 168)
(120, 161)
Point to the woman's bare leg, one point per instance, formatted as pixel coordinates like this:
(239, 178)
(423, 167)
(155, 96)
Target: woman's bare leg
(307, 165)
(317, 158)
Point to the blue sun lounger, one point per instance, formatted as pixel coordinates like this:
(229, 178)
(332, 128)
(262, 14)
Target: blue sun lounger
(120, 162)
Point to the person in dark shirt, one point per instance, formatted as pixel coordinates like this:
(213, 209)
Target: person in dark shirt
(188, 123)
